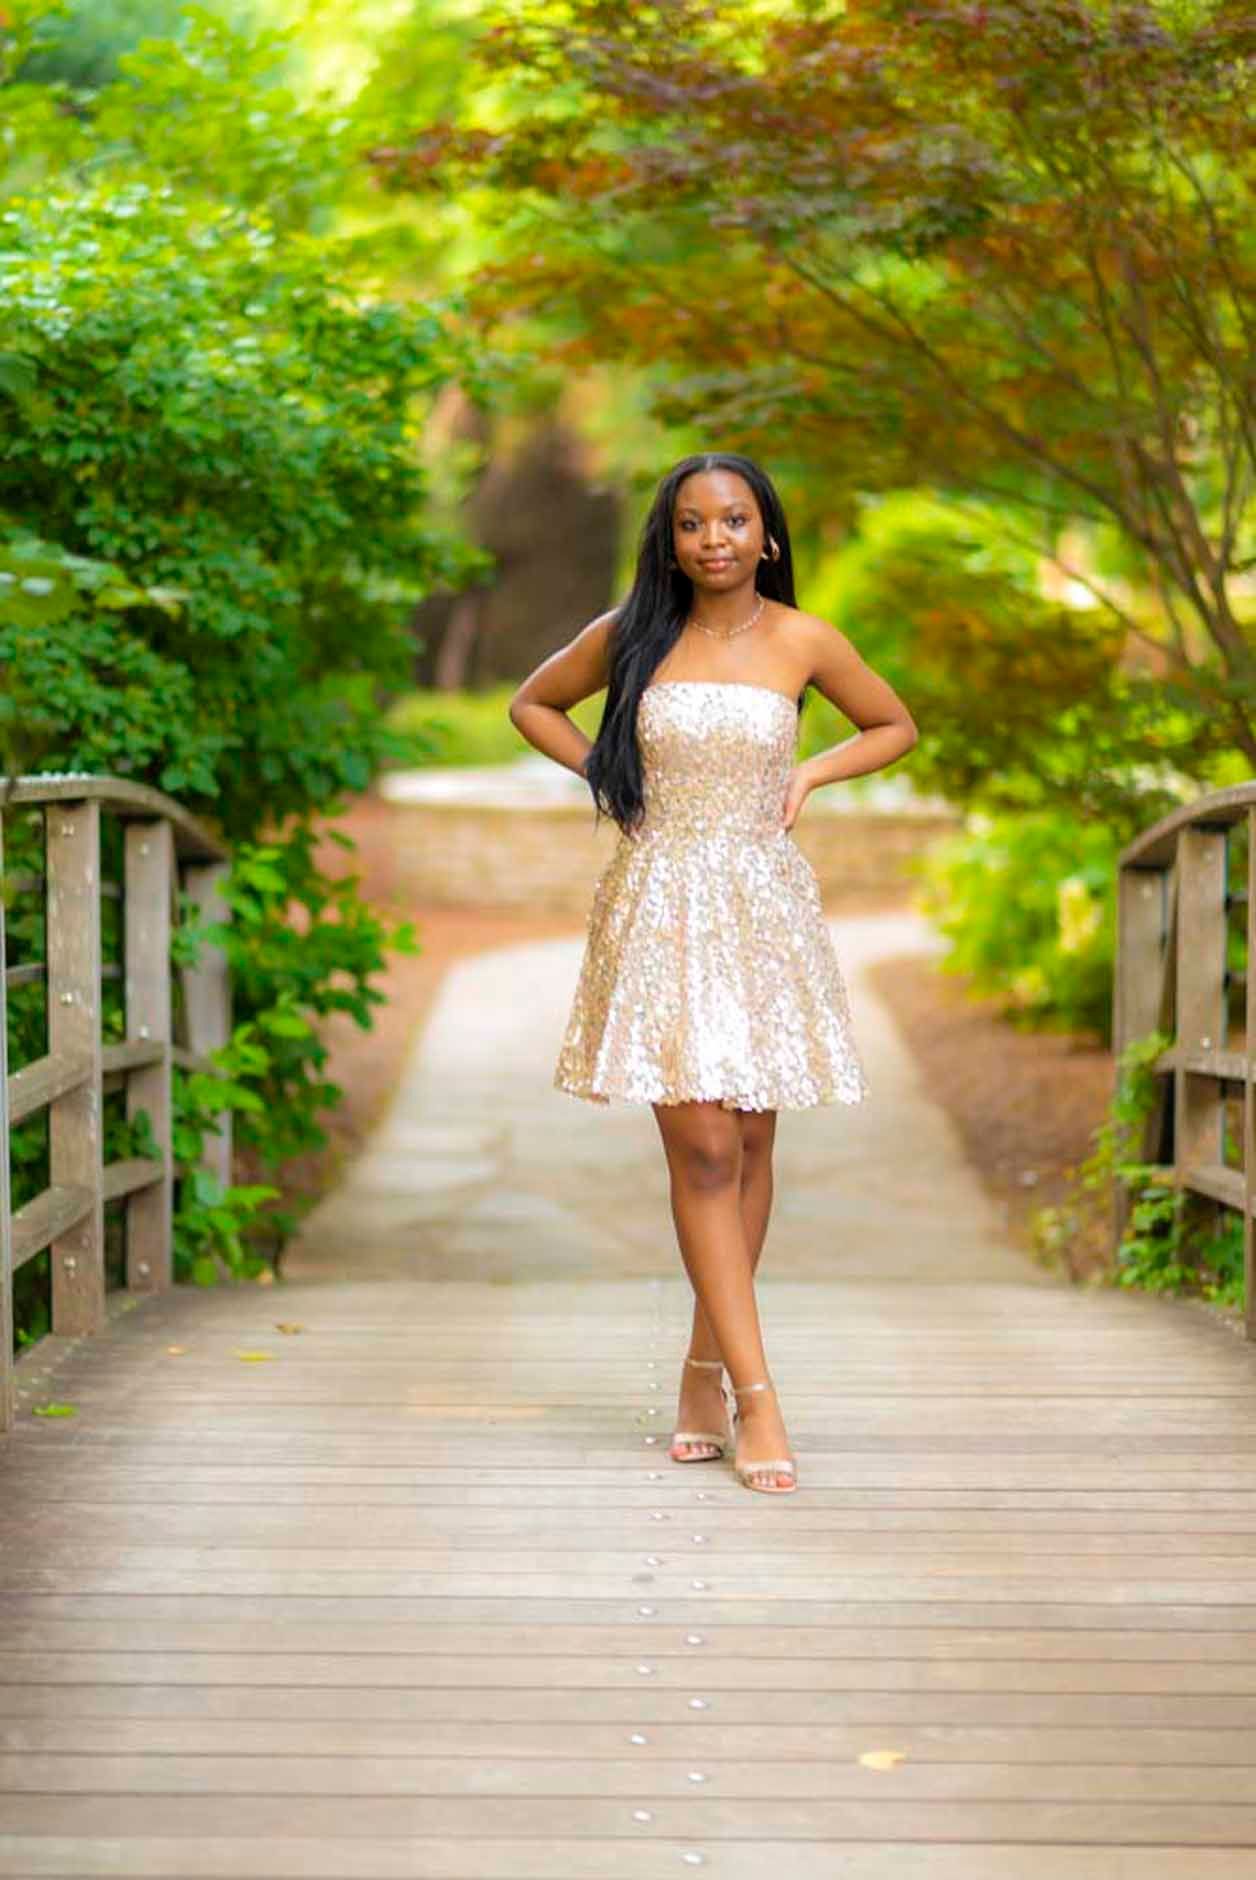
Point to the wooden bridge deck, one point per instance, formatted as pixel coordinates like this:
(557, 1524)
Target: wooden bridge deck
(414, 1594)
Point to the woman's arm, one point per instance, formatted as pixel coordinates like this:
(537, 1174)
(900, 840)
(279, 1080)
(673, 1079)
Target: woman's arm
(886, 731)
(539, 708)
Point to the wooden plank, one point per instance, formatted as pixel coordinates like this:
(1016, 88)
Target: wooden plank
(134, 1176)
(1227, 1185)
(1221, 808)
(185, 1060)
(195, 839)
(207, 1001)
(132, 1056)
(75, 1120)
(45, 1079)
(149, 876)
(1004, 1743)
(1198, 1112)
(396, 1530)
(28, 974)
(621, 1671)
(1157, 1128)
(644, 1706)
(982, 1592)
(715, 1818)
(46, 1217)
(1230, 1066)
(623, 1856)
(1139, 954)
(230, 1773)
(415, 1641)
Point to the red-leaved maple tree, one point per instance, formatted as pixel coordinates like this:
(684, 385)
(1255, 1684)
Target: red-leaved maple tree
(1005, 250)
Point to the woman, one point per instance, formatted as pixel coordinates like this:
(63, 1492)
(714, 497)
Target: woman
(709, 987)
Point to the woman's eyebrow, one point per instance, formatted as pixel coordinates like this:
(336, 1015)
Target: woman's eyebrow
(687, 509)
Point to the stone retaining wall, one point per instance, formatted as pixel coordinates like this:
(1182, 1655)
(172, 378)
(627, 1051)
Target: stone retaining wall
(547, 857)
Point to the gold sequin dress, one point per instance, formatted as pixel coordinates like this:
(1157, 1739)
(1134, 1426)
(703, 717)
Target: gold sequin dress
(708, 971)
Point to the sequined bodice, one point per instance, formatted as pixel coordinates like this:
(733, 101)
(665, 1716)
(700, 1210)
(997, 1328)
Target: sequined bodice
(716, 758)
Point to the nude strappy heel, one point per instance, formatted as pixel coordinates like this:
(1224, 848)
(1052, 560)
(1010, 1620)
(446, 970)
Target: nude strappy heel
(718, 1443)
(747, 1471)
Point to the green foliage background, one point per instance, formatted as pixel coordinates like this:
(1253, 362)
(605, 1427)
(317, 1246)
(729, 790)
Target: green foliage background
(223, 347)
(214, 523)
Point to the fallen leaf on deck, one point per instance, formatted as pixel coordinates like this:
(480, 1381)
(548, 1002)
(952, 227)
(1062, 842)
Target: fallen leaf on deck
(176, 1351)
(288, 1328)
(882, 1758)
(55, 1410)
(253, 1357)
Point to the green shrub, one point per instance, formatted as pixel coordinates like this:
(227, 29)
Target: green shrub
(236, 453)
(473, 727)
(1167, 1245)
(1028, 905)
(214, 525)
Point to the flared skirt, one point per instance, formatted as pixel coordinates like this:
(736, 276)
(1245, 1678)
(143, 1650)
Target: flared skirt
(709, 974)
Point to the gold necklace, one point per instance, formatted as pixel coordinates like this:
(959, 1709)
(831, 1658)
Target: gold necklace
(733, 631)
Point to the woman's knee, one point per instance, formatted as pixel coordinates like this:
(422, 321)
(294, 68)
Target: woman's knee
(758, 1133)
(707, 1159)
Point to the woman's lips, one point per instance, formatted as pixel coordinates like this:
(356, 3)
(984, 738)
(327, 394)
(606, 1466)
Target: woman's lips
(725, 561)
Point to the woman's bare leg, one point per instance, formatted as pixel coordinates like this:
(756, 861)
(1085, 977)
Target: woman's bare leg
(714, 1187)
(758, 1134)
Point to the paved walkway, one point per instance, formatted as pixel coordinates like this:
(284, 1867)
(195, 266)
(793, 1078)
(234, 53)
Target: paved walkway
(483, 1171)
(360, 1577)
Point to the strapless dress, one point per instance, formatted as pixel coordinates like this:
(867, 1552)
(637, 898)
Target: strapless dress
(708, 971)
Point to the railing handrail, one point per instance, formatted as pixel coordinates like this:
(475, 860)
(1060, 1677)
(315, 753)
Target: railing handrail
(1154, 848)
(198, 843)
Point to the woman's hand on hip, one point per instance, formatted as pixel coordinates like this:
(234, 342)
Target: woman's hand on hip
(801, 784)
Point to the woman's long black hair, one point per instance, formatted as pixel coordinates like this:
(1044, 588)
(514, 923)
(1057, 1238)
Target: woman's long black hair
(648, 624)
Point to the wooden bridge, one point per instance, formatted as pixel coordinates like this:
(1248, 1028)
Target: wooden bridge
(389, 1575)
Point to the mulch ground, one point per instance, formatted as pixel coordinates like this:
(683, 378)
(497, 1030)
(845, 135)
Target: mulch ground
(1024, 1104)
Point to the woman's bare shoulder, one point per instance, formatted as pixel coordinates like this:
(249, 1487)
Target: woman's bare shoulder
(809, 639)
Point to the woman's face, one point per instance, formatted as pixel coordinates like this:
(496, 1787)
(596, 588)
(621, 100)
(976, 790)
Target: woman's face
(717, 531)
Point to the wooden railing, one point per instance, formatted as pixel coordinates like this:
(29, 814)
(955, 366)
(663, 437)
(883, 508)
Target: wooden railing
(1186, 918)
(164, 850)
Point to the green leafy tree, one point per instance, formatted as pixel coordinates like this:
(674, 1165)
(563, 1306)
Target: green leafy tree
(241, 442)
(1005, 250)
(214, 525)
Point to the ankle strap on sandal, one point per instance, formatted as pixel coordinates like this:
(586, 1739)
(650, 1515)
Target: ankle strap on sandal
(763, 1384)
(707, 1364)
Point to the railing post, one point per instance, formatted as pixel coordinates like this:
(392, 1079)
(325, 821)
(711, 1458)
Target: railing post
(1138, 993)
(6, 1197)
(1198, 1116)
(1140, 930)
(75, 1120)
(147, 888)
(207, 998)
